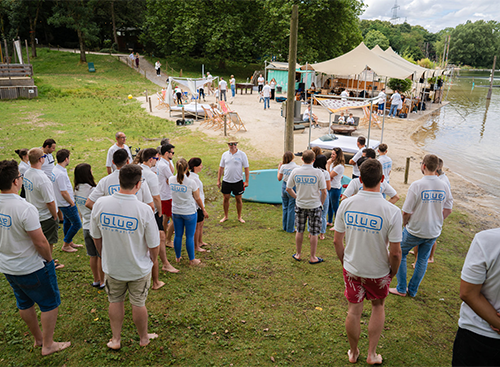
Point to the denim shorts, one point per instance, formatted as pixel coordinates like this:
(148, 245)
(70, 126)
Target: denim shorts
(39, 287)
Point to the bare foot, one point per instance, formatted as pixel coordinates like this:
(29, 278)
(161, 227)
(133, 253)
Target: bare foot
(332, 229)
(223, 220)
(329, 224)
(321, 236)
(199, 249)
(353, 358)
(169, 268)
(194, 262)
(68, 249)
(411, 252)
(38, 344)
(204, 244)
(145, 342)
(376, 359)
(74, 245)
(158, 285)
(112, 344)
(169, 244)
(413, 265)
(241, 220)
(395, 292)
(178, 260)
(59, 266)
(55, 347)
(431, 260)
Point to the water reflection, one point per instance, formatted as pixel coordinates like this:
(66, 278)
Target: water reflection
(483, 125)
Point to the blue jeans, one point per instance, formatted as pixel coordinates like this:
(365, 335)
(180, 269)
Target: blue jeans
(182, 221)
(424, 250)
(72, 222)
(266, 100)
(394, 107)
(233, 90)
(334, 198)
(326, 205)
(288, 209)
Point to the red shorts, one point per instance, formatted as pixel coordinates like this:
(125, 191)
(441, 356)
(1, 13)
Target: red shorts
(357, 288)
(166, 207)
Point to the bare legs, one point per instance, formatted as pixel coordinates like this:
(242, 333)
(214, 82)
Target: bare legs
(225, 205)
(163, 255)
(313, 240)
(198, 242)
(239, 207)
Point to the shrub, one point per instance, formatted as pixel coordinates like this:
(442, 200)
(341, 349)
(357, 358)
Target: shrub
(402, 85)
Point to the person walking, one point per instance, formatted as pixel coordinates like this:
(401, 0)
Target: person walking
(285, 168)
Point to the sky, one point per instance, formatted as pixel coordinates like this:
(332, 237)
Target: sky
(434, 15)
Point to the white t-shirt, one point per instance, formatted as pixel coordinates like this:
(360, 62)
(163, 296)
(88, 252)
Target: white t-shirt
(209, 77)
(23, 167)
(48, 165)
(445, 179)
(336, 181)
(157, 65)
(182, 195)
(18, 255)
(386, 163)
(152, 180)
(482, 266)
(350, 120)
(111, 151)
(381, 98)
(233, 165)
(359, 154)
(355, 186)
(286, 169)
(39, 192)
(128, 230)
(369, 222)
(308, 182)
(266, 91)
(62, 183)
(196, 178)
(306, 114)
(163, 171)
(272, 84)
(396, 99)
(232, 81)
(111, 184)
(425, 201)
(344, 94)
(260, 80)
(222, 85)
(82, 193)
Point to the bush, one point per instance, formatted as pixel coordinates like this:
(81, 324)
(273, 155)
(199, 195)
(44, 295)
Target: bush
(426, 63)
(402, 85)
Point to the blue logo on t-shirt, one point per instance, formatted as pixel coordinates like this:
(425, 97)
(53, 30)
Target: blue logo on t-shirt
(52, 177)
(80, 200)
(118, 222)
(28, 185)
(363, 220)
(430, 196)
(306, 180)
(113, 188)
(5, 220)
(178, 188)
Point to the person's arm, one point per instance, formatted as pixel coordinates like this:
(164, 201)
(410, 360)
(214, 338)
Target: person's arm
(280, 175)
(220, 174)
(151, 205)
(395, 255)
(351, 162)
(342, 197)
(324, 195)
(89, 203)
(247, 177)
(291, 192)
(108, 169)
(197, 198)
(394, 199)
(67, 197)
(406, 218)
(41, 244)
(98, 245)
(471, 294)
(328, 185)
(446, 212)
(52, 209)
(338, 241)
(157, 202)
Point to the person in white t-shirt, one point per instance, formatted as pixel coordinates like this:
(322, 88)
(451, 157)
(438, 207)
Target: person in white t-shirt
(353, 161)
(344, 94)
(232, 83)
(395, 102)
(370, 226)
(66, 201)
(185, 196)
(230, 171)
(158, 68)
(272, 84)
(210, 79)
(385, 161)
(428, 203)
(310, 194)
(477, 342)
(126, 236)
(320, 163)
(48, 147)
(286, 167)
(195, 167)
(308, 115)
(223, 89)
(164, 170)
(120, 144)
(335, 166)
(40, 193)
(381, 102)
(260, 83)
(23, 165)
(266, 94)
(26, 260)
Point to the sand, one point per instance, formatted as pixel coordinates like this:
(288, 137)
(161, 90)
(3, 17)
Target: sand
(265, 132)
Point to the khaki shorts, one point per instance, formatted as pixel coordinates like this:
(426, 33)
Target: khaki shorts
(137, 290)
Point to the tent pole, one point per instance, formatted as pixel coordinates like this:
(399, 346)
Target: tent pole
(383, 114)
(310, 127)
(357, 87)
(423, 93)
(411, 94)
(364, 87)
(369, 124)
(305, 87)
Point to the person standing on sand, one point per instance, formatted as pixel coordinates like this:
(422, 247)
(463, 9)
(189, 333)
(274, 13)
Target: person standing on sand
(367, 267)
(266, 94)
(26, 261)
(310, 194)
(126, 236)
(223, 89)
(381, 102)
(232, 83)
(120, 144)
(231, 164)
(260, 83)
(395, 103)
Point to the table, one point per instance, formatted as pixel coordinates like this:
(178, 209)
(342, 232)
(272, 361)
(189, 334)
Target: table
(245, 86)
(340, 129)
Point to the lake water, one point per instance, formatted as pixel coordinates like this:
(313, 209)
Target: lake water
(466, 132)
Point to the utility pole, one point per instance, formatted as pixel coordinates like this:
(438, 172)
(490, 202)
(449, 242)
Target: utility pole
(292, 62)
(488, 96)
(447, 51)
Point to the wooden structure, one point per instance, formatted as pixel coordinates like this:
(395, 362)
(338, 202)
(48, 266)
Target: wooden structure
(16, 81)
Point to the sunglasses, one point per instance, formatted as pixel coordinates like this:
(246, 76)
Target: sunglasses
(44, 156)
(232, 144)
(156, 158)
(171, 152)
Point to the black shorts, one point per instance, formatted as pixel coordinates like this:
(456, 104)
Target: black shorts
(471, 349)
(50, 228)
(236, 188)
(159, 221)
(201, 216)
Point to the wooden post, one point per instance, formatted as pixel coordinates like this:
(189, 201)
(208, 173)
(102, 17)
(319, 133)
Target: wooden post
(488, 96)
(146, 91)
(27, 51)
(407, 169)
(150, 109)
(290, 96)
(225, 125)
(1, 54)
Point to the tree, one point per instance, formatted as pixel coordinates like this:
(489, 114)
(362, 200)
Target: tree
(402, 85)
(374, 38)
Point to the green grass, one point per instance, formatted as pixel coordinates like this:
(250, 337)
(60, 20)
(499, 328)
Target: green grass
(252, 303)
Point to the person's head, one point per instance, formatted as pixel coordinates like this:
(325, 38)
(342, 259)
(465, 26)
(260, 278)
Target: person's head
(138, 157)
(288, 157)
(10, 176)
(182, 168)
(439, 170)
(120, 138)
(308, 156)
(22, 153)
(36, 155)
(369, 153)
(149, 156)
(320, 162)
(312, 84)
(361, 141)
(62, 155)
(130, 175)
(167, 151)
(232, 76)
(342, 114)
(316, 151)
(165, 141)
(233, 145)
(221, 78)
(83, 175)
(430, 163)
(260, 75)
(382, 148)
(396, 91)
(120, 158)
(370, 173)
(350, 115)
(338, 157)
(194, 163)
(49, 145)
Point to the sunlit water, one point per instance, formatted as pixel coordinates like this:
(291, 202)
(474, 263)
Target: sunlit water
(466, 133)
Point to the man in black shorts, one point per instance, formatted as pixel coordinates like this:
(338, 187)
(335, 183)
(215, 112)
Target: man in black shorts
(230, 168)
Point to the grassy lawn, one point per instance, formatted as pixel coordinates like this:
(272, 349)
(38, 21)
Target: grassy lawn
(251, 304)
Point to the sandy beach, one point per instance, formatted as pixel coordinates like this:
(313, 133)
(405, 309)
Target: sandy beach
(265, 132)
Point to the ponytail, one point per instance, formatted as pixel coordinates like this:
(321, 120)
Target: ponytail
(181, 167)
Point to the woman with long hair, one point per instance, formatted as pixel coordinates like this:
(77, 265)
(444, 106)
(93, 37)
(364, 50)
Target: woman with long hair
(84, 185)
(195, 166)
(185, 196)
(23, 165)
(320, 163)
(336, 166)
(286, 167)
